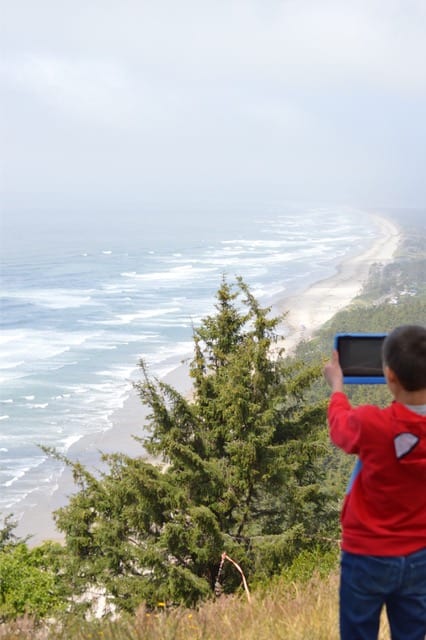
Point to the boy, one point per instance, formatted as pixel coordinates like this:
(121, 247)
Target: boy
(384, 514)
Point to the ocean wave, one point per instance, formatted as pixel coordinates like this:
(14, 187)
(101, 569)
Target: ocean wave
(21, 468)
(179, 273)
(33, 350)
(119, 287)
(5, 366)
(117, 373)
(53, 298)
(66, 444)
(244, 245)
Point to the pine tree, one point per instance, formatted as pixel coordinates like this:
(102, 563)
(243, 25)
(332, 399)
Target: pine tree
(242, 466)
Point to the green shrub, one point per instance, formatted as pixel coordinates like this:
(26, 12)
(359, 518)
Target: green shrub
(27, 585)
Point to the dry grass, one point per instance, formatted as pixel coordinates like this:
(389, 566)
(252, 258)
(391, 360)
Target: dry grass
(283, 612)
(287, 612)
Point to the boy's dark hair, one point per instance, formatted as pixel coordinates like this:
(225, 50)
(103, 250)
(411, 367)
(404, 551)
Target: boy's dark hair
(404, 351)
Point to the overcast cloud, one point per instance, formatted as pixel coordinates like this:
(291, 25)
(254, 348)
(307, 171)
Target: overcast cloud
(123, 104)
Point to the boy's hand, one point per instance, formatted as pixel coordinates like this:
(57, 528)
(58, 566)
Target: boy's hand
(333, 373)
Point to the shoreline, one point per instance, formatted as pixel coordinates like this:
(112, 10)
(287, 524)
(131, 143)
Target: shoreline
(310, 309)
(307, 310)
(128, 421)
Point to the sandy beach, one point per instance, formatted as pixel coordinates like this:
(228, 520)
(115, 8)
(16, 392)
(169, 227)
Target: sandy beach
(306, 312)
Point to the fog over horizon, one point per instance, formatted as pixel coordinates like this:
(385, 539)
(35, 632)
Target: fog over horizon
(162, 108)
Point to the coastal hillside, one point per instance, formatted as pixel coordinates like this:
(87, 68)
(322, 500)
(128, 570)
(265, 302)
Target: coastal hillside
(291, 559)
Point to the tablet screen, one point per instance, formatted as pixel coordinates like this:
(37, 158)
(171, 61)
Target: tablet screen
(360, 355)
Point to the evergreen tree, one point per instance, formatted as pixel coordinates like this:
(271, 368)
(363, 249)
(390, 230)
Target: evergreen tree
(242, 466)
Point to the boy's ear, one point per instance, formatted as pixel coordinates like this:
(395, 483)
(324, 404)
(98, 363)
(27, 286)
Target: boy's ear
(390, 375)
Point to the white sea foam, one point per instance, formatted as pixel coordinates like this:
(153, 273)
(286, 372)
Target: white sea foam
(53, 298)
(119, 287)
(243, 245)
(20, 473)
(69, 442)
(104, 341)
(79, 389)
(37, 344)
(171, 352)
(117, 373)
(129, 318)
(11, 365)
(179, 273)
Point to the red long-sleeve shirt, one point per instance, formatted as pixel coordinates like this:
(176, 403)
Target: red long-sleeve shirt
(384, 513)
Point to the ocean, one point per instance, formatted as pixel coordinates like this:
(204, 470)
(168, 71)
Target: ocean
(79, 311)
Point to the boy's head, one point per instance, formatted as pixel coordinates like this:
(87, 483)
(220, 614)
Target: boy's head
(404, 352)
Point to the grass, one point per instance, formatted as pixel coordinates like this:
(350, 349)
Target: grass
(282, 611)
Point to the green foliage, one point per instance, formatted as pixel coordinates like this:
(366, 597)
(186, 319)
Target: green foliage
(30, 581)
(243, 471)
(311, 562)
(7, 536)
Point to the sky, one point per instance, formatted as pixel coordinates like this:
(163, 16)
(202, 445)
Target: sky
(115, 106)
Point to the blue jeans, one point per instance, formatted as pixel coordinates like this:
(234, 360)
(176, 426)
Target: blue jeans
(367, 583)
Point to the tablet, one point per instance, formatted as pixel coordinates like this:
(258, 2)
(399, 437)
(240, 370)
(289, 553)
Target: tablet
(360, 356)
